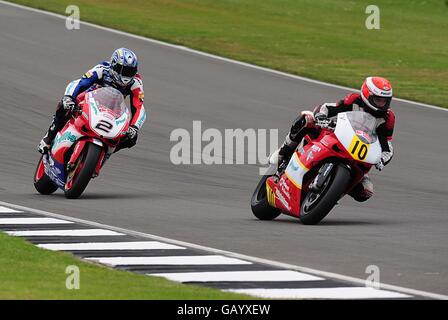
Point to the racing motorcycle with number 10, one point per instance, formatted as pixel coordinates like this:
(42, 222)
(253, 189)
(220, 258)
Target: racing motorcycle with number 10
(321, 170)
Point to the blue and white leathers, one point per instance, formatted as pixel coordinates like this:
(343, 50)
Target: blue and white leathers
(101, 75)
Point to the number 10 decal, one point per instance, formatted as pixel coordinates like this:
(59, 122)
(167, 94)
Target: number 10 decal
(358, 149)
(104, 125)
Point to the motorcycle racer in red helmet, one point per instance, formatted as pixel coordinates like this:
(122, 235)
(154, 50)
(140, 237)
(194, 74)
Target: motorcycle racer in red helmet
(375, 98)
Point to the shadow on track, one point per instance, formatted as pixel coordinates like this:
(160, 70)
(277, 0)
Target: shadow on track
(102, 196)
(331, 222)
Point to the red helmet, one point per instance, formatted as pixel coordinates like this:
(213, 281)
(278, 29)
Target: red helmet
(376, 92)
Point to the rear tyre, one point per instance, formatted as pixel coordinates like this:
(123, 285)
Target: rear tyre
(259, 203)
(89, 160)
(316, 206)
(42, 182)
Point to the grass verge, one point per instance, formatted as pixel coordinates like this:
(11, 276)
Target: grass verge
(28, 272)
(325, 40)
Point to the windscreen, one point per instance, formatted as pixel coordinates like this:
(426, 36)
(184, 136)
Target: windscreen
(109, 100)
(364, 125)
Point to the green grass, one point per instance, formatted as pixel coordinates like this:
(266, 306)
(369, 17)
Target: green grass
(28, 272)
(320, 39)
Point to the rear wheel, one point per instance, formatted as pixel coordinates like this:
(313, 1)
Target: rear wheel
(78, 178)
(42, 182)
(316, 205)
(259, 203)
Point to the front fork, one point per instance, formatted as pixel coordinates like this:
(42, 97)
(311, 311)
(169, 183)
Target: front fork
(78, 150)
(321, 177)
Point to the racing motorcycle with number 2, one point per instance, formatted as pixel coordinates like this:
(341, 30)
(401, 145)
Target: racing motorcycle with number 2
(321, 171)
(81, 148)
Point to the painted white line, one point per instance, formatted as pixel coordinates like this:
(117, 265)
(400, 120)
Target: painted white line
(212, 56)
(238, 276)
(20, 221)
(322, 293)
(316, 272)
(8, 210)
(137, 245)
(65, 233)
(170, 260)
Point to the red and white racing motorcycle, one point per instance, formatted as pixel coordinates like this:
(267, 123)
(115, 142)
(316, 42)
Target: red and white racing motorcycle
(81, 148)
(321, 170)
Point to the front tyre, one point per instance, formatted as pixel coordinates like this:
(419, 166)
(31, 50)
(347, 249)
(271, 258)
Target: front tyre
(84, 169)
(316, 205)
(259, 203)
(42, 182)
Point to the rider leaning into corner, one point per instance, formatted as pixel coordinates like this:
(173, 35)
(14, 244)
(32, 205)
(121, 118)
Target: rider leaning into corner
(120, 73)
(375, 98)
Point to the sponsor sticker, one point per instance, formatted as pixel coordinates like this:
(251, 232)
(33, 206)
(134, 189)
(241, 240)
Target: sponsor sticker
(364, 136)
(282, 200)
(285, 188)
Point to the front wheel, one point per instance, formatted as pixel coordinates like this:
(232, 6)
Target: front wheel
(42, 182)
(259, 203)
(316, 205)
(82, 171)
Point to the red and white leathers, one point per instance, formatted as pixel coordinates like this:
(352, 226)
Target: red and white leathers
(352, 102)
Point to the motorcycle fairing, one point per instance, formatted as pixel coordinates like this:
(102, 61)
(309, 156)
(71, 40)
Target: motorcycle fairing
(54, 170)
(104, 124)
(359, 144)
(285, 195)
(64, 141)
(296, 170)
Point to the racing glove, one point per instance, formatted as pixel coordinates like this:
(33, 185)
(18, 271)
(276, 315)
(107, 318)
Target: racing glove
(68, 104)
(380, 165)
(309, 118)
(320, 116)
(386, 156)
(322, 120)
(132, 132)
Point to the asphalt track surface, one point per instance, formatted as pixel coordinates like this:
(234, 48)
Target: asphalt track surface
(402, 230)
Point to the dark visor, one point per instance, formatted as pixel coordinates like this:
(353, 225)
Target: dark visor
(125, 71)
(380, 101)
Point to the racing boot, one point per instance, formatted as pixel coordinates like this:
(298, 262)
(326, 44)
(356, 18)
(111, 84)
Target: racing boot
(47, 140)
(363, 191)
(281, 156)
(59, 120)
(299, 129)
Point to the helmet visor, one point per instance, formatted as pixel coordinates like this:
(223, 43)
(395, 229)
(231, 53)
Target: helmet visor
(125, 71)
(380, 102)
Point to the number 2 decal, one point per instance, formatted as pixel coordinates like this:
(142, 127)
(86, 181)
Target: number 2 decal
(104, 125)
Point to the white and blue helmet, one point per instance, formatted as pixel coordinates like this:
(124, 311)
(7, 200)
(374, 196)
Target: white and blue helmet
(123, 66)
